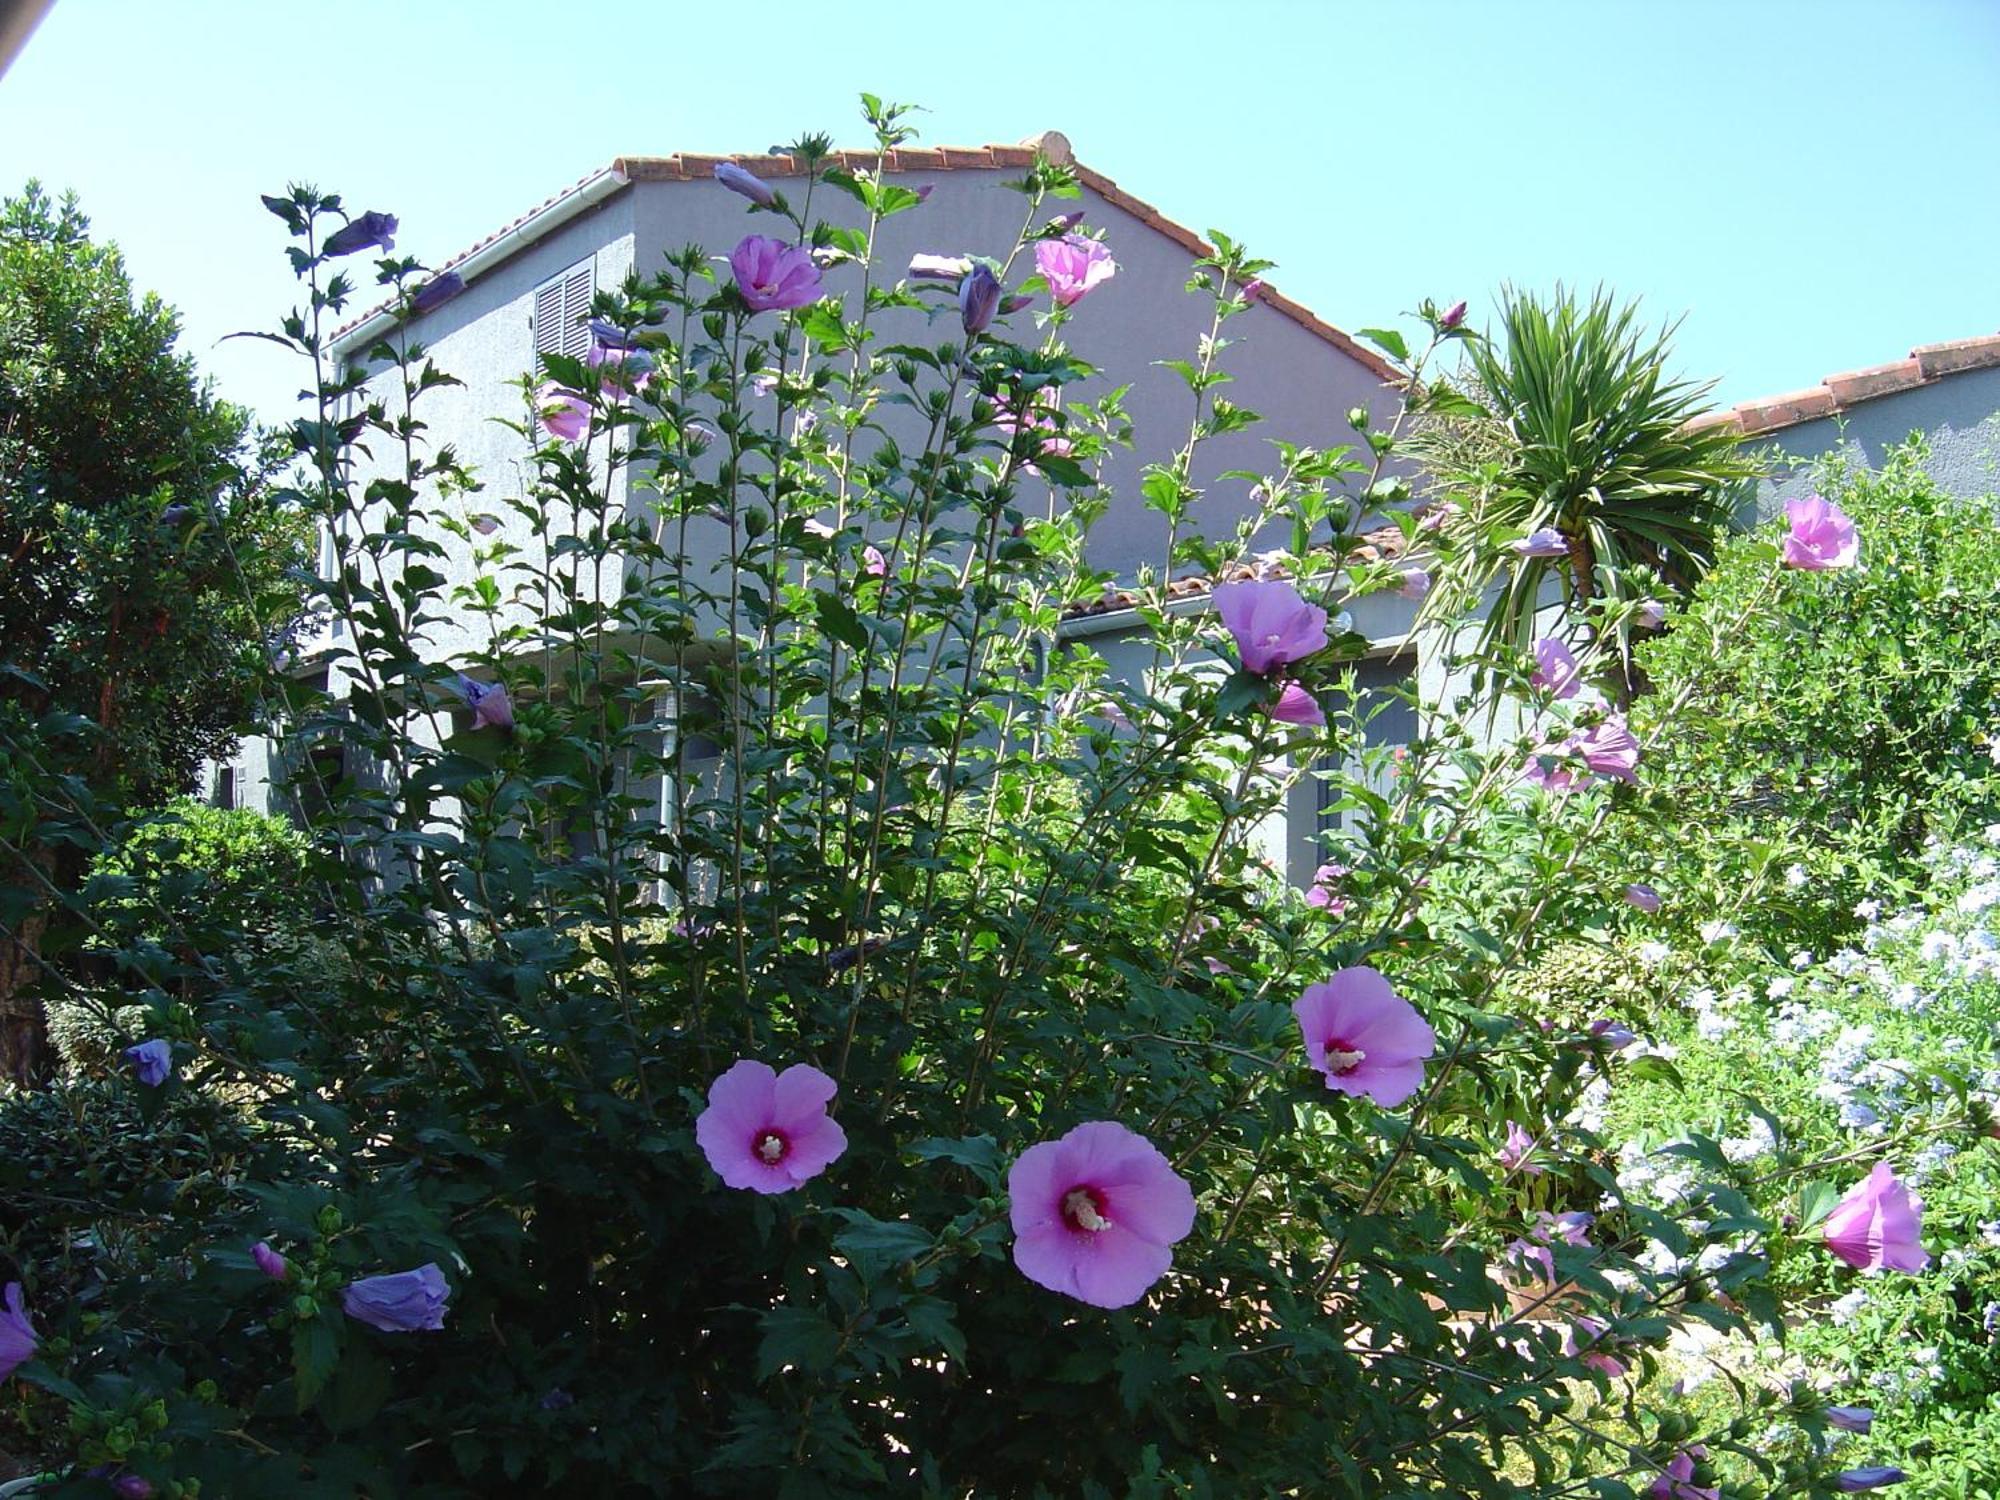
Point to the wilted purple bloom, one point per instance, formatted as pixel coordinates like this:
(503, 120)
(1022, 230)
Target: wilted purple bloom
(1650, 615)
(491, 708)
(485, 525)
(1587, 1336)
(1064, 223)
(18, 1339)
(556, 1399)
(1516, 1154)
(1438, 516)
(1643, 896)
(1324, 892)
(1556, 670)
(1297, 706)
(1252, 289)
(1677, 1483)
(151, 1062)
(924, 192)
(873, 562)
(748, 184)
(175, 515)
(1013, 304)
(1416, 585)
(774, 276)
(1822, 535)
(1851, 1418)
(1073, 267)
(407, 1302)
(1547, 542)
(130, 1486)
(928, 267)
(1853, 1481)
(1272, 624)
(623, 371)
(269, 1261)
(608, 335)
(434, 293)
(1613, 1034)
(978, 299)
(1454, 315)
(358, 234)
(854, 953)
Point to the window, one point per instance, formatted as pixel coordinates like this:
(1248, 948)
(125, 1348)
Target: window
(225, 787)
(1383, 682)
(562, 308)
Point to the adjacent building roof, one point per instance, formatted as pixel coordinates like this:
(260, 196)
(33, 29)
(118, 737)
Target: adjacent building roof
(1927, 364)
(688, 166)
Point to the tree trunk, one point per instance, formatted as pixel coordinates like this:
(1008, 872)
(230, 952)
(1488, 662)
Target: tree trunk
(26, 1058)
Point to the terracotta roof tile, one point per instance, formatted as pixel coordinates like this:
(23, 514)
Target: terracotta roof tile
(1836, 393)
(688, 166)
(1957, 355)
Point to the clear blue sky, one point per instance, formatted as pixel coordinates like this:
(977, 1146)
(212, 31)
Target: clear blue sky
(1811, 182)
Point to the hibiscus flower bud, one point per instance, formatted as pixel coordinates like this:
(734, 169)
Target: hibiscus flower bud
(978, 299)
(370, 228)
(745, 183)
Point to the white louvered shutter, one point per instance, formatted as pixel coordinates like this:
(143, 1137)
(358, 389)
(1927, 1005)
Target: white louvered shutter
(562, 306)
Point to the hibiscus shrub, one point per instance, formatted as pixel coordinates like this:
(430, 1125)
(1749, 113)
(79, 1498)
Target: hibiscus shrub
(984, 1117)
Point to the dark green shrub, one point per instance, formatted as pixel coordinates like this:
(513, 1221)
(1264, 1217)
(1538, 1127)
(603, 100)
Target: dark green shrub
(195, 861)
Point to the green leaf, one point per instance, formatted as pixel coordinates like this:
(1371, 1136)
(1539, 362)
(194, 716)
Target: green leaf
(1239, 693)
(795, 1338)
(1816, 1201)
(1388, 341)
(979, 1153)
(359, 1386)
(315, 1351)
(838, 619)
(881, 1243)
(821, 323)
(930, 1320)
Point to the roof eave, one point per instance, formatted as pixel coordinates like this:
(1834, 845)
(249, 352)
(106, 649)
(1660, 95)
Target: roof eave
(538, 225)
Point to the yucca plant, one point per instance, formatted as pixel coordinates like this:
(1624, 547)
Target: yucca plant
(1580, 430)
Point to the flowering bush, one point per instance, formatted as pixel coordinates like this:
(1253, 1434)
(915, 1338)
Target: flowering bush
(987, 1119)
(1875, 1054)
(1811, 758)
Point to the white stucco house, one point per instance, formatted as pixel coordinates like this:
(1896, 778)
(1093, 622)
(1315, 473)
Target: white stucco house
(528, 285)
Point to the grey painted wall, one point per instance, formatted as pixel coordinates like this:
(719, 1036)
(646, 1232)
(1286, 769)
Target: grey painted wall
(1959, 415)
